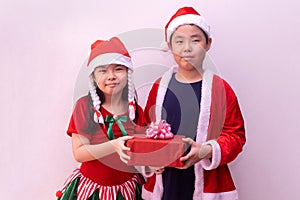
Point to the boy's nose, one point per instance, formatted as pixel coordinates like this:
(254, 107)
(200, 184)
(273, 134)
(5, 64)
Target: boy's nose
(187, 47)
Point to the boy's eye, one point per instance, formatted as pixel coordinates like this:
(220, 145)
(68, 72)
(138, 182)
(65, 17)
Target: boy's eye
(196, 39)
(178, 41)
(120, 68)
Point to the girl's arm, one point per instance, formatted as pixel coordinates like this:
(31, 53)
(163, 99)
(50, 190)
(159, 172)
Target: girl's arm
(83, 151)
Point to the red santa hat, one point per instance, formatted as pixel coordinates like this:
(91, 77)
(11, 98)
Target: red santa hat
(185, 15)
(105, 52)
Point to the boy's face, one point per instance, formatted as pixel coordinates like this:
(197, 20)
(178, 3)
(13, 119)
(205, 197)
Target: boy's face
(189, 45)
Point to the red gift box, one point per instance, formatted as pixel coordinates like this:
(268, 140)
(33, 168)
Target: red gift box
(156, 152)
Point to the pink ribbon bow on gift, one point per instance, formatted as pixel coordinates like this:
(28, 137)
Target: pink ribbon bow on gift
(159, 130)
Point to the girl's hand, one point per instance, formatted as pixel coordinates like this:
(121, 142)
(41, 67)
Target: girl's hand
(157, 170)
(120, 148)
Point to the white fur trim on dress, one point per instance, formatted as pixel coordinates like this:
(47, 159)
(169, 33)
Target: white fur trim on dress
(208, 164)
(109, 58)
(187, 19)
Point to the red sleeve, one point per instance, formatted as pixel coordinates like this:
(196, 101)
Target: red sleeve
(141, 117)
(151, 102)
(141, 122)
(80, 122)
(232, 137)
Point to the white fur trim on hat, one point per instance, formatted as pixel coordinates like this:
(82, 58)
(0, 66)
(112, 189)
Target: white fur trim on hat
(109, 58)
(187, 19)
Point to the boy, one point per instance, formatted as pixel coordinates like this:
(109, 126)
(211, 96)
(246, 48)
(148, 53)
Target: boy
(201, 106)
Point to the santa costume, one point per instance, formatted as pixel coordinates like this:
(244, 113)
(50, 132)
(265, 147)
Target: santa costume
(220, 124)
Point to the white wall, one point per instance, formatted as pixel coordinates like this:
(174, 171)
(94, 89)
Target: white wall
(45, 43)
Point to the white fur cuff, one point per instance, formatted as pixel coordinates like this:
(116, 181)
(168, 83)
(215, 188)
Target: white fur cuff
(208, 164)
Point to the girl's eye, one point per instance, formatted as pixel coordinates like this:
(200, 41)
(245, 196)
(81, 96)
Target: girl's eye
(179, 42)
(197, 40)
(101, 70)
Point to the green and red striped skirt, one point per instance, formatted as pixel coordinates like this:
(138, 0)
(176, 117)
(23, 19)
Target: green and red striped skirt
(79, 187)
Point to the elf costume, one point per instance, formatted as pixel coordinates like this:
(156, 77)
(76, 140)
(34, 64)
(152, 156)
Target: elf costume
(107, 178)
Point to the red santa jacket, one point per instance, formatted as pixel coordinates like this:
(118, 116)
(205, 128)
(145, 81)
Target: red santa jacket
(220, 124)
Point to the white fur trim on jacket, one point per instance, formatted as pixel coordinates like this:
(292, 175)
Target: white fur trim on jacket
(208, 164)
(232, 195)
(201, 138)
(144, 171)
(201, 130)
(162, 89)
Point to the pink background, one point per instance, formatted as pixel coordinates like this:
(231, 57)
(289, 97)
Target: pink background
(44, 43)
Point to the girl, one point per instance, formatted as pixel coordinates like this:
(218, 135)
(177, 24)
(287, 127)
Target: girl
(101, 124)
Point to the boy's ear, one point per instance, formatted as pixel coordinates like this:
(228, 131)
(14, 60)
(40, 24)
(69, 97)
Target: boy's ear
(208, 44)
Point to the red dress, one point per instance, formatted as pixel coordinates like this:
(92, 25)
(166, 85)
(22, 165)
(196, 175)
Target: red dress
(108, 174)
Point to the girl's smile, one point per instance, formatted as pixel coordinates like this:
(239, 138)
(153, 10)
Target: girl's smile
(111, 79)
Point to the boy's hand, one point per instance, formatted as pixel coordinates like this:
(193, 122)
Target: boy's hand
(197, 153)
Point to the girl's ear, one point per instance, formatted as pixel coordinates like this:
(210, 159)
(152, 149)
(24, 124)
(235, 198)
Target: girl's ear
(93, 76)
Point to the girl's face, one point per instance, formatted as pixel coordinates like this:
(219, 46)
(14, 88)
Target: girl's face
(111, 79)
(189, 46)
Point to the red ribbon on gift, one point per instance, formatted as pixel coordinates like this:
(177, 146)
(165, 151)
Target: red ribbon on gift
(159, 130)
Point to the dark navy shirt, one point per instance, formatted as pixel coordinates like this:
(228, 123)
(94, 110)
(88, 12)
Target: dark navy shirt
(181, 110)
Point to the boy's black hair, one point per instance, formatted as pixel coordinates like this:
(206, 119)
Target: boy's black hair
(205, 35)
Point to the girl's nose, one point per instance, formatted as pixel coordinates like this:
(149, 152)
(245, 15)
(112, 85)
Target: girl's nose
(111, 74)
